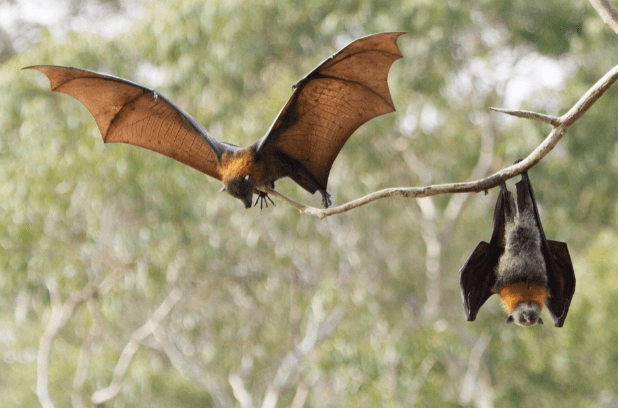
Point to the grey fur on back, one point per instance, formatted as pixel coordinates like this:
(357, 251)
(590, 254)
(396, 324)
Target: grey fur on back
(522, 259)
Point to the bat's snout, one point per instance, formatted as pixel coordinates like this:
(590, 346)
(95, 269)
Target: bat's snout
(526, 314)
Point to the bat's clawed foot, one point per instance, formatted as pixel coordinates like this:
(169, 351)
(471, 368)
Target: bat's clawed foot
(263, 198)
(326, 202)
(523, 174)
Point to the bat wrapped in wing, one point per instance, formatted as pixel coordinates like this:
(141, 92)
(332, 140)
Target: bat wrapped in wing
(519, 264)
(327, 106)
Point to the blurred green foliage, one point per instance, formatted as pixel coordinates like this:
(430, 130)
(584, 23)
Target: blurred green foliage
(73, 212)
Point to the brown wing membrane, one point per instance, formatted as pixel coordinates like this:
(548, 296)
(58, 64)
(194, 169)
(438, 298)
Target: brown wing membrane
(561, 282)
(478, 275)
(130, 113)
(477, 278)
(332, 101)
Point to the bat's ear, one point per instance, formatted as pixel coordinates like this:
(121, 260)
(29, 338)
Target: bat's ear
(222, 189)
(510, 319)
(539, 321)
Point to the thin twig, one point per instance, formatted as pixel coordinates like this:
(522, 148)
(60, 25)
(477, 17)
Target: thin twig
(550, 120)
(560, 126)
(608, 13)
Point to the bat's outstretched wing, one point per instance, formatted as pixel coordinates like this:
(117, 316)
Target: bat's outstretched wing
(560, 273)
(330, 103)
(130, 113)
(478, 275)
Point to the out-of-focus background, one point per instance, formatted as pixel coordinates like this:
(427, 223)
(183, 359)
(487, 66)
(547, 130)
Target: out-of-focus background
(127, 281)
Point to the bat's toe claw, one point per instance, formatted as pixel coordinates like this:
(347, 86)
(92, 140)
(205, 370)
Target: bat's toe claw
(263, 199)
(326, 202)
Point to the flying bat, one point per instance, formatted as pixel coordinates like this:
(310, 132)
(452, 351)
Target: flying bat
(519, 264)
(326, 107)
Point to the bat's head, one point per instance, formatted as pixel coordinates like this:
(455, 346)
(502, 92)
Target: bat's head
(525, 314)
(524, 301)
(241, 187)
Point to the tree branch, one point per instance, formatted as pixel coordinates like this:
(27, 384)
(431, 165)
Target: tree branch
(419, 379)
(474, 364)
(589, 98)
(302, 391)
(191, 369)
(608, 13)
(318, 329)
(238, 386)
(109, 392)
(560, 126)
(84, 356)
(60, 315)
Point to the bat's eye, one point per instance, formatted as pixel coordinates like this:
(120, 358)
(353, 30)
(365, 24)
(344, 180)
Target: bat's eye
(246, 178)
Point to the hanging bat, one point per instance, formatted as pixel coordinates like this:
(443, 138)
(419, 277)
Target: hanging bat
(326, 107)
(519, 264)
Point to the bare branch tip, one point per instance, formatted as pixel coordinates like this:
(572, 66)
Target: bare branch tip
(539, 117)
(517, 113)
